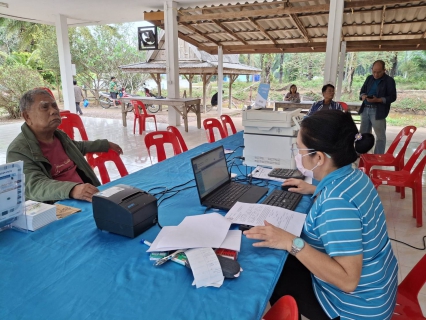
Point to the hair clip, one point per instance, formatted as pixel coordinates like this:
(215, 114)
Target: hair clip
(358, 136)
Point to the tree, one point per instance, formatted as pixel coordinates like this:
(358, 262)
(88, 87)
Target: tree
(280, 78)
(15, 80)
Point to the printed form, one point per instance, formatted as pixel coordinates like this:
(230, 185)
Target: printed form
(254, 214)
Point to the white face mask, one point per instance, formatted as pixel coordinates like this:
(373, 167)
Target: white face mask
(301, 168)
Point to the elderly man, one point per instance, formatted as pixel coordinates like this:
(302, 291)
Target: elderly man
(54, 165)
(377, 94)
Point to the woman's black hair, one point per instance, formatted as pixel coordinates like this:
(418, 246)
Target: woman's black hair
(328, 85)
(335, 133)
(293, 85)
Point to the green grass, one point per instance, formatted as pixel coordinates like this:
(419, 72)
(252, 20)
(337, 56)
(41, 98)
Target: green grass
(402, 120)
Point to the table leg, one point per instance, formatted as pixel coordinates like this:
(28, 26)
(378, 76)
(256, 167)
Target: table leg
(198, 116)
(124, 113)
(185, 117)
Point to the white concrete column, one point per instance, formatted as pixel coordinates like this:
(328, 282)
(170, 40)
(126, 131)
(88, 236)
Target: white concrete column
(335, 19)
(172, 57)
(219, 79)
(341, 66)
(65, 62)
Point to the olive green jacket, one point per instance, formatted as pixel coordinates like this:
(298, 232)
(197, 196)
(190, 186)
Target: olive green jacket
(39, 185)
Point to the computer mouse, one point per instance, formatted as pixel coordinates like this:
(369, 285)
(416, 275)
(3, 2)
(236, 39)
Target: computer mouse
(285, 188)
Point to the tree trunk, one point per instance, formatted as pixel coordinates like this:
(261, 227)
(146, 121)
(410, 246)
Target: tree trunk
(262, 73)
(249, 63)
(394, 61)
(281, 67)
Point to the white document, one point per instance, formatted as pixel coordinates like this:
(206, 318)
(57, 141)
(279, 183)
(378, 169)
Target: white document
(206, 230)
(254, 214)
(232, 240)
(205, 267)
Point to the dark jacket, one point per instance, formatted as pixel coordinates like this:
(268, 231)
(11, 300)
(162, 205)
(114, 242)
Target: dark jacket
(39, 185)
(386, 89)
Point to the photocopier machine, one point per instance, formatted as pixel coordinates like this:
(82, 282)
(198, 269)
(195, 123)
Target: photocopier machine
(269, 135)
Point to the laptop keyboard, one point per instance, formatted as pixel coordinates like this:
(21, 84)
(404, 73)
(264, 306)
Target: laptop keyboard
(284, 199)
(285, 173)
(229, 194)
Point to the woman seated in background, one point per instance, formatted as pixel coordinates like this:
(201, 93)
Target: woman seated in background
(327, 103)
(292, 95)
(342, 266)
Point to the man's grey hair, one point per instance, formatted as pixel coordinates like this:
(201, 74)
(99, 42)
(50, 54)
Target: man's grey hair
(28, 98)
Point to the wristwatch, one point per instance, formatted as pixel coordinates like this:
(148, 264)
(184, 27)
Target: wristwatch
(297, 245)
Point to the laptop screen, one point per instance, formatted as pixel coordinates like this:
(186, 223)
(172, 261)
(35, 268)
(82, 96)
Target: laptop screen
(210, 171)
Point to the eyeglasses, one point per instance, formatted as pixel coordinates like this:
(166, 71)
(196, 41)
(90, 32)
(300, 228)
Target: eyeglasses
(295, 151)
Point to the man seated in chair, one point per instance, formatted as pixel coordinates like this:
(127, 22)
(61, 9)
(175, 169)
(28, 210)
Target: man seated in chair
(54, 165)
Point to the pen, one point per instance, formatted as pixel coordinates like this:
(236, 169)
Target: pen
(146, 242)
(165, 259)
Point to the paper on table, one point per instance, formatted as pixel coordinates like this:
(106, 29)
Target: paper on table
(232, 240)
(262, 173)
(255, 214)
(228, 151)
(205, 267)
(207, 230)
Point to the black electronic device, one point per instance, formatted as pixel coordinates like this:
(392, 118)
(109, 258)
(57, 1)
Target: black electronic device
(285, 188)
(370, 97)
(284, 199)
(214, 185)
(124, 210)
(286, 173)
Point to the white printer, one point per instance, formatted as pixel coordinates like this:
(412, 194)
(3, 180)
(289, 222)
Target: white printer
(268, 137)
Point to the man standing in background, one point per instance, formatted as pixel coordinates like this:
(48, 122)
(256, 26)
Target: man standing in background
(78, 94)
(377, 94)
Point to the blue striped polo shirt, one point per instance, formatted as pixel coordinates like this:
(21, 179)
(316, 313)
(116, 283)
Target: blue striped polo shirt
(347, 219)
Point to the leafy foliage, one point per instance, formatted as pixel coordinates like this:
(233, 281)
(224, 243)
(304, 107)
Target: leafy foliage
(15, 80)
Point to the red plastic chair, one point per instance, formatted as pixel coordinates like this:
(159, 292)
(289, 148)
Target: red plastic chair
(178, 135)
(158, 139)
(406, 178)
(407, 303)
(226, 120)
(284, 309)
(388, 159)
(71, 121)
(344, 105)
(48, 90)
(209, 125)
(99, 159)
(141, 116)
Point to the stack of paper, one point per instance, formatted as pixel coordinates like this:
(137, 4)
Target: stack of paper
(37, 215)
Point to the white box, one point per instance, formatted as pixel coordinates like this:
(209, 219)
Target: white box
(37, 215)
(268, 138)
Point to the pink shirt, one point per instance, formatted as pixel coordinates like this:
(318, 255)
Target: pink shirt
(63, 168)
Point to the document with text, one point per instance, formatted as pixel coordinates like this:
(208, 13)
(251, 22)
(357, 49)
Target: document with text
(254, 214)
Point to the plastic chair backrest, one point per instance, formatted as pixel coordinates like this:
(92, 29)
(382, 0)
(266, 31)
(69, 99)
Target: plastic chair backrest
(284, 309)
(407, 303)
(178, 135)
(228, 120)
(48, 90)
(211, 123)
(417, 172)
(99, 159)
(158, 139)
(344, 105)
(71, 121)
(140, 104)
(407, 132)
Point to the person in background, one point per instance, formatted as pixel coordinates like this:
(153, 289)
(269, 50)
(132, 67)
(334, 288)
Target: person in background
(54, 165)
(78, 94)
(292, 95)
(343, 265)
(327, 103)
(113, 90)
(377, 94)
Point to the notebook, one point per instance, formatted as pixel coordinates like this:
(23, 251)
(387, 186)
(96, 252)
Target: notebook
(214, 185)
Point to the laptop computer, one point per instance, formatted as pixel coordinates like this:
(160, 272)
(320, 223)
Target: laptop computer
(214, 185)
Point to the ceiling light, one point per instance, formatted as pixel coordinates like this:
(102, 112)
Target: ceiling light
(4, 4)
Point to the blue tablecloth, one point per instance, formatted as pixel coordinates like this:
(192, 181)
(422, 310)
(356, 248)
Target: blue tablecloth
(71, 270)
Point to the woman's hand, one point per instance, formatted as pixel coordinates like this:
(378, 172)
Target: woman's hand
(273, 237)
(300, 186)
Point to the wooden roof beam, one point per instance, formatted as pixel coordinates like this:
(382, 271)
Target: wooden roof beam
(200, 33)
(262, 30)
(373, 3)
(230, 32)
(299, 24)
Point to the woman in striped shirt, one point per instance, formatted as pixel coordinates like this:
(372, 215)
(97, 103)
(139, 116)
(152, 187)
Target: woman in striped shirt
(343, 266)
